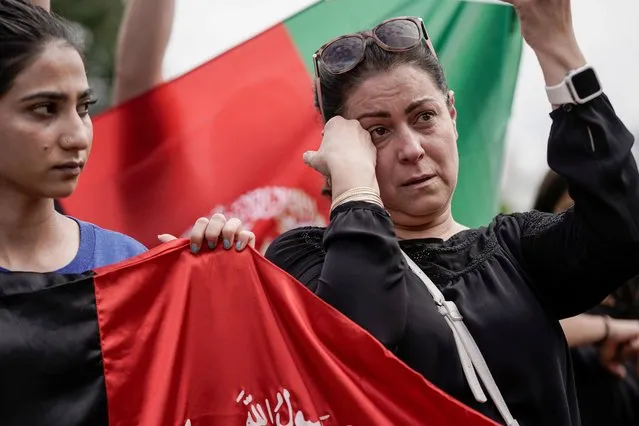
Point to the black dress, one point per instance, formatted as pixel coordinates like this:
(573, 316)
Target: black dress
(512, 280)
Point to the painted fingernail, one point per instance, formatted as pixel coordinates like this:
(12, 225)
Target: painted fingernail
(212, 244)
(195, 248)
(238, 246)
(227, 244)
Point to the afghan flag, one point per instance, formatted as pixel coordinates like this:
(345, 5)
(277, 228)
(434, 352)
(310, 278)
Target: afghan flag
(218, 339)
(228, 136)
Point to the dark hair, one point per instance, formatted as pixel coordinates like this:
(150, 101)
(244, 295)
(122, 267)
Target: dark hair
(552, 188)
(337, 88)
(25, 30)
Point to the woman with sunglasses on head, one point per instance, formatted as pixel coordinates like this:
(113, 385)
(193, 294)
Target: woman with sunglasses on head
(475, 311)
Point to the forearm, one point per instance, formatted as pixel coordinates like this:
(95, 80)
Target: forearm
(555, 66)
(142, 42)
(549, 31)
(362, 275)
(580, 257)
(556, 63)
(348, 176)
(584, 329)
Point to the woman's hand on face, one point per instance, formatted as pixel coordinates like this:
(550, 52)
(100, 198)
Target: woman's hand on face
(347, 155)
(217, 231)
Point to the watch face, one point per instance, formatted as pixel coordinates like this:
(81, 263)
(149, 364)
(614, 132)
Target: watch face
(586, 83)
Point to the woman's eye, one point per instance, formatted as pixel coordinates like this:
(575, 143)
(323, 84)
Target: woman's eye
(84, 107)
(378, 131)
(45, 109)
(426, 116)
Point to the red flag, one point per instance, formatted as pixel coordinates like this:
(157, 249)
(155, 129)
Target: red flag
(227, 338)
(210, 141)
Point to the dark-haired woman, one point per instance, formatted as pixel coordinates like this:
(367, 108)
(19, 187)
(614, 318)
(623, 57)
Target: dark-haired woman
(475, 311)
(45, 140)
(393, 258)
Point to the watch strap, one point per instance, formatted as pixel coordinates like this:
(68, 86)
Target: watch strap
(559, 94)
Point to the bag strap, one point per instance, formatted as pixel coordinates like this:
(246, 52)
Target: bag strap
(471, 358)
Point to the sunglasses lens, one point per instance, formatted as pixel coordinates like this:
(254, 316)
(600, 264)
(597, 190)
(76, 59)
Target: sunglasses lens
(399, 34)
(342, 54)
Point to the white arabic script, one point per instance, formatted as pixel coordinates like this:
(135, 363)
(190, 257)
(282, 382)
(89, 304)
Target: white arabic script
(263, 416)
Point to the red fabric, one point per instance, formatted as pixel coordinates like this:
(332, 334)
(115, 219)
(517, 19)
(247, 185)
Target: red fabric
(205, 340)
(237, 126)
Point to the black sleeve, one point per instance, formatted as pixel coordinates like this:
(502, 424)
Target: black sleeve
(359, 271)
(299, 252)
(577, 258)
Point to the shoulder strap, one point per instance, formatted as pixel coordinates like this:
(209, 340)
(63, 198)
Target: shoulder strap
(471, 358)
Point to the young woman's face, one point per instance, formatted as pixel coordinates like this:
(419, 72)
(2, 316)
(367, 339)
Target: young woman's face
(45, 128)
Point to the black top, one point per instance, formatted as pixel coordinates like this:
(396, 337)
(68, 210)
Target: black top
(512, 280)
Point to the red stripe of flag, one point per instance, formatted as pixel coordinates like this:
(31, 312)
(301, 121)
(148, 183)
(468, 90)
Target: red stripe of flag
(236, 124)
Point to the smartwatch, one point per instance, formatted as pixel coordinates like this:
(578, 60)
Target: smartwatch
(578, 87)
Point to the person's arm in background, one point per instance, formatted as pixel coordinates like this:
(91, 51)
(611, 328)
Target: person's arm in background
(45, 4)
(142, 43)
(611, 333)
(588, 329)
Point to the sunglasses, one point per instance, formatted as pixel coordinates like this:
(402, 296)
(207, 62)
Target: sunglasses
(344, 53)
